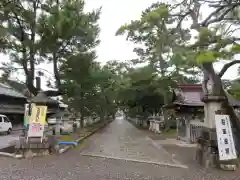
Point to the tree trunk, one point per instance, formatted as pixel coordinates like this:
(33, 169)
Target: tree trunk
(165, 116)
(102, 115)
(82, 121)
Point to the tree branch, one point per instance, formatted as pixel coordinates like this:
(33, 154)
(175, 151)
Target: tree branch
(220, 18)
(226, 66)
(211, 15)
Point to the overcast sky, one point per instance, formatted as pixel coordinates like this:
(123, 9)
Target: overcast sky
(114, 14)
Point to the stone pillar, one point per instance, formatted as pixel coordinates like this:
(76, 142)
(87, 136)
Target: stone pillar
(207, 151)
(177, 134)
(188, 133)
(90, 120)
(151, 125)
(157, 129)
(154, 125)
(145, 123)
(209, 111)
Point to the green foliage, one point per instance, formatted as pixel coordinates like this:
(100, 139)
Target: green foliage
(206, 57)
(161, 12)
(206, 35)
(89, 87)
(141, 93)
(235, 89)
(46, 31)
(163, 49)
(235, 48)
(62, 33)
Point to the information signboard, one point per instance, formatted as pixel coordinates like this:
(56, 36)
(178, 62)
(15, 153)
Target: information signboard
(35, 130)
(226, 146)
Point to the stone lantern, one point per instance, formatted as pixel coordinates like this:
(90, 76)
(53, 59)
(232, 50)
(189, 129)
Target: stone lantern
(46, 144)
(42, 99)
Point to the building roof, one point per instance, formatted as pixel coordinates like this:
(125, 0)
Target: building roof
(20, 87)
(42, 98)
(62, 113)
(15, 109)
(9, 91)
(191, 95)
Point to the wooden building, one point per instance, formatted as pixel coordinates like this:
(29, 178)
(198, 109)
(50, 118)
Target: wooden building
(12, 103)
(189, 110)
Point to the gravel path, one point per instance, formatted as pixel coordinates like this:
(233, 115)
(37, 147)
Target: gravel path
(121, 140)
(74, 166)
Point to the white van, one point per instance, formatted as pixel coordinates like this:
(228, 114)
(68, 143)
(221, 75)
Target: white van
(5, 124)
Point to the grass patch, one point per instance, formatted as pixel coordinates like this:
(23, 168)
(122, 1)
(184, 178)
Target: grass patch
(81, 132)
(77, 135)
(68, 138)
(171, 131)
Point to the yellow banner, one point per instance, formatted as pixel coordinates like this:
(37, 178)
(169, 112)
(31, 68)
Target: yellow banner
(38, 115)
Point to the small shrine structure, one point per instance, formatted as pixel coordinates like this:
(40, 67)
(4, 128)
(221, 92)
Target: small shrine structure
(189, 110)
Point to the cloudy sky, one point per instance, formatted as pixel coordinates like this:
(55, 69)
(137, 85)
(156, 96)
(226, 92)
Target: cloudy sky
(114, 14)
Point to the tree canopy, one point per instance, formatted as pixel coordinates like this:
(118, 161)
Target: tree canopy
(170, 52)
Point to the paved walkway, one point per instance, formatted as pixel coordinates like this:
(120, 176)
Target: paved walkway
(121, 140)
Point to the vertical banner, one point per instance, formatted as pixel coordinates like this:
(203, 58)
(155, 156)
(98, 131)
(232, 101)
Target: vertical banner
(38, 115)
(37, 120)
(226, 145)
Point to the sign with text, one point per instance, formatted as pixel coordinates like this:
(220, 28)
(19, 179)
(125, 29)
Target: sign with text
(35, 130)
(226, 146)
(38, 115)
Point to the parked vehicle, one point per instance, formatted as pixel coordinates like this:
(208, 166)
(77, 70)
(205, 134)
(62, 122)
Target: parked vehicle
(5, 124)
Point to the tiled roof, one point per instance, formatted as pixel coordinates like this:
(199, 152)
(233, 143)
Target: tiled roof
(9, 91)
(20, 87)
(190, 95)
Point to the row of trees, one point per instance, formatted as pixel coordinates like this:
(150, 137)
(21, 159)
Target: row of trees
(54, 31)
(61, 33)
(176, 50)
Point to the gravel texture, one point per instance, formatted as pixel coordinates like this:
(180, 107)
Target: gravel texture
(73, 166)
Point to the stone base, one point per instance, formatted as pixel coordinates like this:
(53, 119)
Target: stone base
(29, 153)
(34, 147)
(207, 152)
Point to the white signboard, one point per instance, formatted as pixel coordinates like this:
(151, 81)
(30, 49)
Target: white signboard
(226, 146)
(35, 130)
